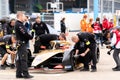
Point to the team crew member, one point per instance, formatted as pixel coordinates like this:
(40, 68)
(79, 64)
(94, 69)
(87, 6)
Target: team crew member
(115, 42)
(62, 37)
(43, 41)
(9, 27)
(39, 28)
(7, 48)
(90, 45)
(23, 38)
(84, 51)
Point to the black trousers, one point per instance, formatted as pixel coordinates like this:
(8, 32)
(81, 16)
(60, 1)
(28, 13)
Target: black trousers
(93, 55)
(21, 61)
(116, 57)
(37, 45)
(87, 60)
(63, 30)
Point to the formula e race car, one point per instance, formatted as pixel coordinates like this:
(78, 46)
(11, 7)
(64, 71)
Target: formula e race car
(52, 57)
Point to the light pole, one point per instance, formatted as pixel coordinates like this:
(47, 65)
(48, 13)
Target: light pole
(113, 6)
(88, 7)
(95, 9)
(101, 9)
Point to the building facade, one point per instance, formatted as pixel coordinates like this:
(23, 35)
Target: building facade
(38, 5)
(4, 8)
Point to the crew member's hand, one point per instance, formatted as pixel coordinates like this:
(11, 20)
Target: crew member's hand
(13, 53)
(109, 47)
(83, 54)
(75, 55)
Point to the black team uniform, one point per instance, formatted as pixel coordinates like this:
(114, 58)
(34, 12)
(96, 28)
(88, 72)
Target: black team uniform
(22, 55)
(89, 40)
(39, 29)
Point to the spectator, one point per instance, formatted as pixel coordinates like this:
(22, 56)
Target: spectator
(105, 24)
(111, 25)
(97, 30)
(83, 23)
(63, 26)
(89, 26)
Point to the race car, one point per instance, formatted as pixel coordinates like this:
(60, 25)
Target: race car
(51, 57)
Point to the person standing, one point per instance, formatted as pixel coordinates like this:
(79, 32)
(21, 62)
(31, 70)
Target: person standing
(63, 26)
(28, 24)
(22, 37)
(89, 26)
(115, 43)
(111, 25)
(83, 23)
(39, 28)
(97, 30)
(105, 24)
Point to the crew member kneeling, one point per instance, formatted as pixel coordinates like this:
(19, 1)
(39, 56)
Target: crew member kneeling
(89, 50)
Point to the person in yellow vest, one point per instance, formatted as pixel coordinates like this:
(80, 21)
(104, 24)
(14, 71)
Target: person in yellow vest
(83, 23)
(89, 26)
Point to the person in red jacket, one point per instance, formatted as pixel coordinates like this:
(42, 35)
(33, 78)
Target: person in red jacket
(111, 24)
(105, 23)
(97, 30)
(115, 44)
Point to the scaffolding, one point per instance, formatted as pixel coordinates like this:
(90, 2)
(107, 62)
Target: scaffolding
(54, 7)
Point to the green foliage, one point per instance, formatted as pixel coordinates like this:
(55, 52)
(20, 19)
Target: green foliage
(39, 6)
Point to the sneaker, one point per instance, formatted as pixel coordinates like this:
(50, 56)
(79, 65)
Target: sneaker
(19, 76)
(3, 67)
(29, 76)
(12, 66)
(116, 69)
(94, 70)
(6, 64)
(84, 69)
